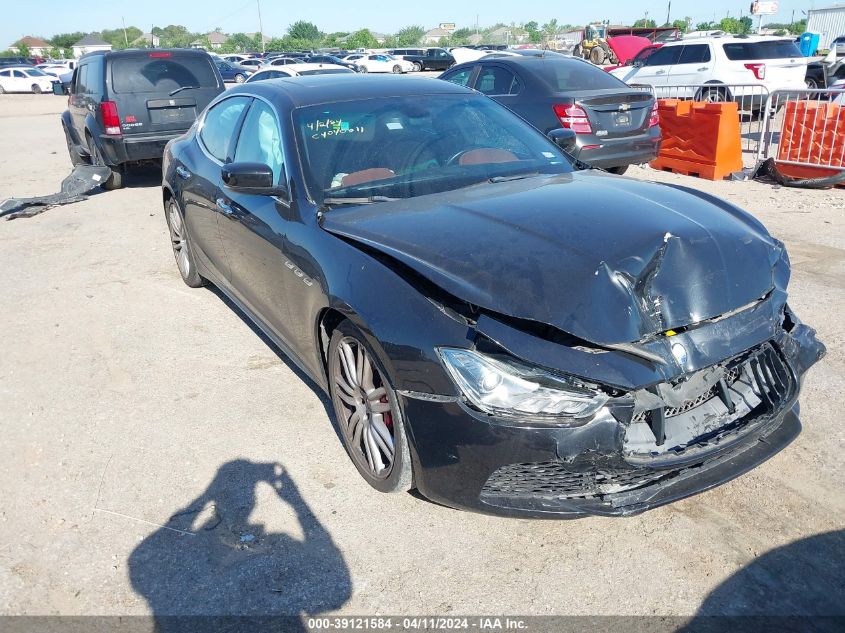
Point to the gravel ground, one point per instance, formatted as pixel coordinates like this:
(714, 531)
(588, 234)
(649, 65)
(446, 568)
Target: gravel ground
(126, 398)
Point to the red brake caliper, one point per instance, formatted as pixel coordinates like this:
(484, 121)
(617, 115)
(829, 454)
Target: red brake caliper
(387, 416)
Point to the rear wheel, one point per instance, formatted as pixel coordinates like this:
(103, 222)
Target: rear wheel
(578, 51)
(367, 412)
(811, 82)
(115, 181)
(239, 78)
(597, 55)
(75, 158)
(181, 247)
(362, 69)
(36, 89)
(2, 90)
(397, 69)
(417, 67)
(713, 95)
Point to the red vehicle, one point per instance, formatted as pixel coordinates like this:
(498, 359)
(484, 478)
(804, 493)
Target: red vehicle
(638, 58)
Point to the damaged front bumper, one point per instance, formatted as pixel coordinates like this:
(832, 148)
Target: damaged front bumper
(615, 464)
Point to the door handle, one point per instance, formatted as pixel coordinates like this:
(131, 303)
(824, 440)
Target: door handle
(224, 206)
(704, 68)
(183, 173)
(660, 72)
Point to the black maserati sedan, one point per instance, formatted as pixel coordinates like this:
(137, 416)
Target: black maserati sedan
(495, 328)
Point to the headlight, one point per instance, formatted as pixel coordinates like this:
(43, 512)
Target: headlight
(509, 388)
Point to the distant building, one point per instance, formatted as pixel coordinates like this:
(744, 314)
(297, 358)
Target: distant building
(89, 44)
(147, 40)
(435, 35)
(828, 22)
(215, 38)
(36, 46)
(508, 35)
(475, 39)
(265, 39)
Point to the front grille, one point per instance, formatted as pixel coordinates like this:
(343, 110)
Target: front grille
(730, 378)
(552, 480)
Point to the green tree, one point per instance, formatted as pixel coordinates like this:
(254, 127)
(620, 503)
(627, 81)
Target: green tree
(730, 25)
(799, 27)
(550, 29)
(746, 25)
(118, 39)
(23, 49)
(238, 43)
(303, 30)
(410, 36)
(461, 36)
(176, 36)
(362, 39)
(649, 24)
(66, 40)
(705, 26)
(533, 30)
(681, 25)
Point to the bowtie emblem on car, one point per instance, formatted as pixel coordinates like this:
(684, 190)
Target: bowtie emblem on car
(680, 353)
(624, 107)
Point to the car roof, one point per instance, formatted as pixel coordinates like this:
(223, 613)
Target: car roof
(316, 89)
(135, 52)
(728, 39)
(19, 67)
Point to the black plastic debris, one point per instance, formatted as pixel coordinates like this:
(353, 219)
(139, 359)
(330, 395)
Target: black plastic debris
(81, 181)
(769, 171)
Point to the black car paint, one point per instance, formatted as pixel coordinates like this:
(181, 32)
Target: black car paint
(431, 59)
(140, 140)
(295, 270)
(535, 100)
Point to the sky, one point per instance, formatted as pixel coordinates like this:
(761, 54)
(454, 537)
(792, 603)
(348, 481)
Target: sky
(61, 16)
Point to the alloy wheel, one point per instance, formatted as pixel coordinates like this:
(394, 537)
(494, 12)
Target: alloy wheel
(366, 414)
(179, 240)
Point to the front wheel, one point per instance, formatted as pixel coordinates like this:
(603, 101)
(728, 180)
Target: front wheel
(362, 69)
(239, 78)
(367, 412)
(417, 67)
(397, 69)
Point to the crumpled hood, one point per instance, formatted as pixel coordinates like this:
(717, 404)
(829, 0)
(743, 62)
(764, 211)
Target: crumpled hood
(607, 259)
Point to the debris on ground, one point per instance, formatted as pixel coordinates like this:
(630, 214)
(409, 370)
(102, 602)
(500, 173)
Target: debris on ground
(81, 181)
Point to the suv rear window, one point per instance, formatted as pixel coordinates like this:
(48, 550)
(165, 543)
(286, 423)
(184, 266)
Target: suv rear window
(161, 74)
(771, 49)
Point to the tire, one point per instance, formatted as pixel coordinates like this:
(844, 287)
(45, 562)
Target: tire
(417, 67)
(115, 181)
(578, 51)
(597, 55)
(397, 69)
(239, 78)
(36, 89)
(812, 84)
(182, 249)
(2, 90)
(619, 171)
(362, 69)
(368, 400)
(75, 158)
(713, 95)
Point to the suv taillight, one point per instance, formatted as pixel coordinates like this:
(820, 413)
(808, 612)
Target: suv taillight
(759, 70)
(655, 117)
(111, 120)
(573, 117)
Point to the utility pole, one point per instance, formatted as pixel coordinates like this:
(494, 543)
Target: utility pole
(476, 23)
(669, 12)
(260, 26)
(125, 39)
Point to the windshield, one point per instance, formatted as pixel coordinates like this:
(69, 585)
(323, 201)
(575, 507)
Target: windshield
(404, 147)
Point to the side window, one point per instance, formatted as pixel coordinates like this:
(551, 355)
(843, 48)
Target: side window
(495, 80)
(5, 73)
(260, 140)
(461, 77)
(218, 128)
(666, 56)
(20, 75)
(81, 77)
(695, 54)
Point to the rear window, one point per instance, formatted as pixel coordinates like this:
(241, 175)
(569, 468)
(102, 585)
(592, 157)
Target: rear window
(161, 74)
(771, 49)
(565, 74)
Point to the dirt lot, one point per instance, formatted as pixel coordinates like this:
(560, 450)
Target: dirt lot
(127, 398)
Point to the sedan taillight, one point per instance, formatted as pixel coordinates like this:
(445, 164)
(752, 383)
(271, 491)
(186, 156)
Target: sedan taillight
(655, 117)
(574, 118)
(759, 70)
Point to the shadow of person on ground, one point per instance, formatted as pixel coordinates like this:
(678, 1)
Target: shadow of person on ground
(800, 587)
(209, 560)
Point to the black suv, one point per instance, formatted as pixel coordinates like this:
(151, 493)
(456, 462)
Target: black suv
(425, 58)
(124, 106)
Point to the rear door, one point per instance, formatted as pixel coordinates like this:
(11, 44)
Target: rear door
(499, 83)
(161, 92)
(694, 66)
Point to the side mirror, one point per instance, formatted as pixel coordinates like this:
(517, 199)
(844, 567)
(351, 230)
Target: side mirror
(255, 178)
(564, 138)
(59, 88)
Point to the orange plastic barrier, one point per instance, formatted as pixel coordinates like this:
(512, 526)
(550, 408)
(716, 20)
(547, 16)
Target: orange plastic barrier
(699, 139)
(813, 132)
